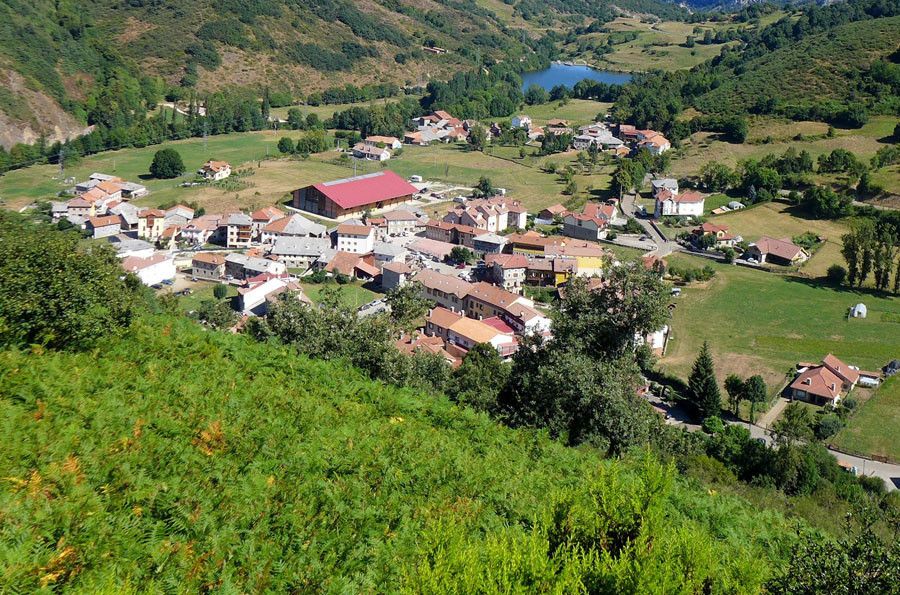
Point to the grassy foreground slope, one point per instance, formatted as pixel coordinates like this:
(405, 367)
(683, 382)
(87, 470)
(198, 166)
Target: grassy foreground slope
(185, 460)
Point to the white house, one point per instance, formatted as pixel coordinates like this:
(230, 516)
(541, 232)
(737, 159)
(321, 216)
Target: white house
(685, 204)
(521, 121)
(370, 152)
(356, 239)
(151, 270)
(390, 142)
(255, 296)
(215, 170)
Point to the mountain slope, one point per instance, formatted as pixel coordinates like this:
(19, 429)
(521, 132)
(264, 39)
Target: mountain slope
(69, 50)
(819, 68)
(191, 460)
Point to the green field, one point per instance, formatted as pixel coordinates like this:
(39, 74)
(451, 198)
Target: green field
(576, 111)
(764, 323)
(659, 44)
(19, 187)
(875, 428)
(326, 111)
(774, 136)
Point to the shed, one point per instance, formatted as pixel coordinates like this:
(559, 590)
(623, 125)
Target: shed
(858, 311)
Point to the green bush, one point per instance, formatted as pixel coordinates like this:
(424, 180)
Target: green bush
(167, 164)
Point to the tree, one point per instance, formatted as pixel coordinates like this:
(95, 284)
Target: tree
(535, 95)
(716, 177)
(824, 203)
(220, 291)
(755, 391)
(407, 304)
(605, 321)
(285, 145)
(735, 388)
(860, 562)
(477, 138)
(217, 314)
(484, 188)
(167, 164)
(795, 424)
(462, 254)
(480, 378)
(56, 291)
(703, 386)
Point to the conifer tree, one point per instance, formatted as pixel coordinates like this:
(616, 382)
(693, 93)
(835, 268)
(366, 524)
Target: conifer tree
(704, 388)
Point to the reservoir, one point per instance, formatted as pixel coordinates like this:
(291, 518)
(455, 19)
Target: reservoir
(569, 74)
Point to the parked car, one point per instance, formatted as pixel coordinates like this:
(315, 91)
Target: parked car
(461, 266)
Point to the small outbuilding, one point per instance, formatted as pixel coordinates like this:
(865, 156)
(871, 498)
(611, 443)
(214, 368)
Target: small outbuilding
(858, 311)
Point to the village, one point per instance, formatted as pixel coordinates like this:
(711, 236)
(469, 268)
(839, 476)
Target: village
(483, 260)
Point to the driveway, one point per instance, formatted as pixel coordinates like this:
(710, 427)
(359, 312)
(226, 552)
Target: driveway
(663, 246)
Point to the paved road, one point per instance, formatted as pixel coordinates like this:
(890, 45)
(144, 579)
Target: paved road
(888, 472)
(663, 246)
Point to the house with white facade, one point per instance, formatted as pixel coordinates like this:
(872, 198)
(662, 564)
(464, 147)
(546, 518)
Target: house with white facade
(521, 121)
(683, 204)
(356, 239)
(215, 170)
(151, 270)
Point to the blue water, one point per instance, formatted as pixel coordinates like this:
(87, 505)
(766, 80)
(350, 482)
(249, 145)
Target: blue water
(562, 74)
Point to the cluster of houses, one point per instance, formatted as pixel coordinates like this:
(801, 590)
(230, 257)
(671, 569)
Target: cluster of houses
(438, 127)
(101, 195)
(467, 314)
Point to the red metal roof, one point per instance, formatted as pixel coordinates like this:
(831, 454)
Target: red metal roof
(366, 189)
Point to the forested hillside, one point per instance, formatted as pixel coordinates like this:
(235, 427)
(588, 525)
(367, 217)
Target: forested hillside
(77, 53)
(822, 68)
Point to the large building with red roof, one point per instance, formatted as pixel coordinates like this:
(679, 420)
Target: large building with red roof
(351, 197)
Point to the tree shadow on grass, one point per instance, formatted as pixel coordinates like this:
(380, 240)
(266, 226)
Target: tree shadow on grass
(823, 284)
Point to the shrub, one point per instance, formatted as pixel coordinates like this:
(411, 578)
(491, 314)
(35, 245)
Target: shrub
(828, 425)
(220, 291)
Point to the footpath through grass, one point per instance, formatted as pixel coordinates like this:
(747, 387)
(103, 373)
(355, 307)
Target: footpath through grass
(875, 428)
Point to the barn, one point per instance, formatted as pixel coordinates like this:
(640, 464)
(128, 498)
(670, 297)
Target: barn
(351, 197)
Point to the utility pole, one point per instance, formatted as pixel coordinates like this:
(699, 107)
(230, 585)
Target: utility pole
(62, 167)
(205, 134)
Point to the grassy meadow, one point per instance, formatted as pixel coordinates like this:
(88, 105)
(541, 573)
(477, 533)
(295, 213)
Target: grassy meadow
(774, 136)
(352, 294)
(873, 428)
(764, 323)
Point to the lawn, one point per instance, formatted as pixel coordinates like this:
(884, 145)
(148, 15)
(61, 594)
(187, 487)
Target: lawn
(875, 428)
(764, 323)
(779, 220)
(353, 294)
(19, 187)
(202, 291)
(326, 111)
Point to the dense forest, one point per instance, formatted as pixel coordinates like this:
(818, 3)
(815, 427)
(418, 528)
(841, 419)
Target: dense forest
(305, 455)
